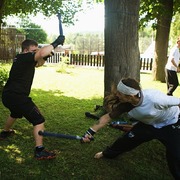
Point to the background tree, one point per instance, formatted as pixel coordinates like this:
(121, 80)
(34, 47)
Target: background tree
(1, 10)
(87, 42)
(161, 12)
(121, 41)
(34, 31)
(68, 9)
(175, 28)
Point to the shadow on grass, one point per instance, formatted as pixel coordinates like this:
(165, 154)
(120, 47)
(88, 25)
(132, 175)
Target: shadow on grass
(74, 160)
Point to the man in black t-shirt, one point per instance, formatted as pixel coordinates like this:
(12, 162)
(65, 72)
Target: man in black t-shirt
(15, 95)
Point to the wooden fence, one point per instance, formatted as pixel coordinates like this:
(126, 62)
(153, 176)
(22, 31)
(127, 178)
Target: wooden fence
(146, 64)
(92, 60)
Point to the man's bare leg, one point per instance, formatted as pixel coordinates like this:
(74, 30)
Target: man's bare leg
(37, 137)
(9, 123)
(40, 151)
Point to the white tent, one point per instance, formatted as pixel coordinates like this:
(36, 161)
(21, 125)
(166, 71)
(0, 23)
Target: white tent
(149, 52)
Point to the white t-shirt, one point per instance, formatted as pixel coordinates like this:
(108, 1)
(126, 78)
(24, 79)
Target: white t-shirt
(174, 54)
(157, 109)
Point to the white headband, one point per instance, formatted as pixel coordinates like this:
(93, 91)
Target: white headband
(126, 89)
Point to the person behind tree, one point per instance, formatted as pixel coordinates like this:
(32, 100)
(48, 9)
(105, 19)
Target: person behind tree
(171, 69)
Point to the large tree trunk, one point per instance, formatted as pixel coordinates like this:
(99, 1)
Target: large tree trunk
(161, 41)
(121, 41)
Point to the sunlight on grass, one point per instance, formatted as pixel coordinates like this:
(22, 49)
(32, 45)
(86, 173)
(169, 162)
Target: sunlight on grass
(14, 153)
(83, 82)
(147, 82)
(73, 84)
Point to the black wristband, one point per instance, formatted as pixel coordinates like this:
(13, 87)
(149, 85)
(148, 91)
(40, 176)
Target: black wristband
(90, 131)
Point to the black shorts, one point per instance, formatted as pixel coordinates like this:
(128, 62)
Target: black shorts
(20, 106)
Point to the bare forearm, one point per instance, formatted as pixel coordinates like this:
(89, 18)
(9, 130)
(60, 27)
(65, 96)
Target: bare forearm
(174, 63)
(103, 121)
(42, 54)
(44, 51)
(88, 136)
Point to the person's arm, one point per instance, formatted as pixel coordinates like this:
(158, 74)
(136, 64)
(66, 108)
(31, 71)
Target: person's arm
(174, 63)
(43, 53)
(103, 121)
(163, 101)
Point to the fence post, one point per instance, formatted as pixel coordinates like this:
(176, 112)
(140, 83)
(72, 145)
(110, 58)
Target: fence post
(151, 62)
(70, 58)
(85, 59)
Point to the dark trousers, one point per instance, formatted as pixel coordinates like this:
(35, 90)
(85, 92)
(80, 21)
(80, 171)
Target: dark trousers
(171, 81)
(140, 133)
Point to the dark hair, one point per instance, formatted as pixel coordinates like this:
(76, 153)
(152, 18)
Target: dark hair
(131, 83)
(28, 42)
(111, 99)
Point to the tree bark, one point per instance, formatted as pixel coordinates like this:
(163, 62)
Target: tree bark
(161, 41)
(1, 13)
(122, 58)
(1, 8)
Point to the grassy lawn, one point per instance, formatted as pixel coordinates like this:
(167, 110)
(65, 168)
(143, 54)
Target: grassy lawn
(63, 99)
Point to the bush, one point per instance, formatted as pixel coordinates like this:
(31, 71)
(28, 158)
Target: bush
(63, 64)
(3, 77)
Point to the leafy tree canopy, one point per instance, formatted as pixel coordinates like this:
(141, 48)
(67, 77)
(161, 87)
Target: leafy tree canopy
(175, 31)
(150, 10)
(34, 31)
(67, 8)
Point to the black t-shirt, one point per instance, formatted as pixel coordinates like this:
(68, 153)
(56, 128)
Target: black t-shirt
(21, 74)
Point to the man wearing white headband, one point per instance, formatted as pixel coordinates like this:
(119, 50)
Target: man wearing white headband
(158, 118)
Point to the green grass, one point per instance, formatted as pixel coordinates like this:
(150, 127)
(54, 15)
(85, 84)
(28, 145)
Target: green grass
(63, 99)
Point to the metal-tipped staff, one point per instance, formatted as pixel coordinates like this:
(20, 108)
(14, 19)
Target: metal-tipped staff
(60, 24)
(58, 135)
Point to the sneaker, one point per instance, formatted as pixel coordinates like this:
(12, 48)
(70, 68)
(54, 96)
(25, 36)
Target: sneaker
(44, 154)
(99, 111)
(5, 134)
